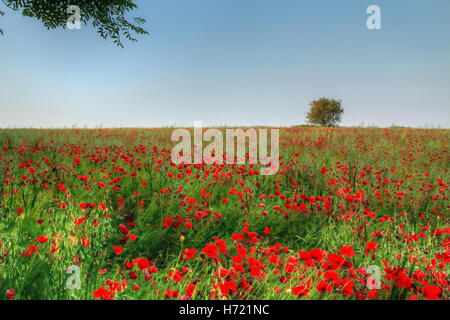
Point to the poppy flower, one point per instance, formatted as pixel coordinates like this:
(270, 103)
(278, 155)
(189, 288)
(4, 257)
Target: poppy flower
(347, 287)
(335, 260)
(237, 236)
(175, 275)
(403, 281)
(300, 290)
(171, 293)
(324, 287)
(431, 292)
(317, 254)
(104, 294)
(118, 250)
(10, 293)
(42, 239)
(347, 251)
(189, 254)
(142, 263)
(371, 245)
(331, 275)
(228, 287)
(255, 271)
(372, 294)
(210, 250)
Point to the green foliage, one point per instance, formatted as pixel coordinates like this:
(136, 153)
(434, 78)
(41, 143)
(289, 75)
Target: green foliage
(325, 112)
(107, 16)
(1, 14)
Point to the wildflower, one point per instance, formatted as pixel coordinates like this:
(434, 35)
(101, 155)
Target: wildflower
(118, 250)
(210, 250)
(10, 293)
(431, 292)
(347, 251)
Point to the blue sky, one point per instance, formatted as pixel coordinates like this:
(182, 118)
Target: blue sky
(233, 62)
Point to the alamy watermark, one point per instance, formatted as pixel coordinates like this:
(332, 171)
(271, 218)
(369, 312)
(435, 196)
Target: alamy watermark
(374, 278)
(74, 280)
(74, 20)
(184, 153)
(374, 20)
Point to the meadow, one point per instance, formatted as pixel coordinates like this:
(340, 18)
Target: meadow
(353, 213)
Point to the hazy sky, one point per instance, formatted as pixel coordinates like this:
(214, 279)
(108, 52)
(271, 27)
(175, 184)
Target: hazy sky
(233, 62)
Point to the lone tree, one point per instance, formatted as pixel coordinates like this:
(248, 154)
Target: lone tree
(325, 112)
(107, 16)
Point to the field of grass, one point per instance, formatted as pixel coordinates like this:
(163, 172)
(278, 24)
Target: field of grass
(109, 205)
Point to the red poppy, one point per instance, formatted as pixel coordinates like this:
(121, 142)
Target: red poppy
(300, 290)
(118, 250)
(403, 281)
(171, 293)
(347, 251)
(142, 263)
(317, 254)
(10, 293)
(210, 250)
(431, 292)
(42, 239)
(347, 287)
(371, 245)
(335, 260)
(104, 294)
(189, 254)
(331, 275)
(324, 287)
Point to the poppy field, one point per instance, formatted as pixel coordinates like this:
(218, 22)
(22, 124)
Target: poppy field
(353, 213)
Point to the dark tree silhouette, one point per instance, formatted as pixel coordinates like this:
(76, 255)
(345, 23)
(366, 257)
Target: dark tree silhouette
(107, 16)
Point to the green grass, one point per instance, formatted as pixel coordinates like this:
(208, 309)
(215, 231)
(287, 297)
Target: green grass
(357, 161)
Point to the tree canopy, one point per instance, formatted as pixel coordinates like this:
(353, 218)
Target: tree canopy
(325, 112)
(106, 16)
